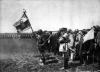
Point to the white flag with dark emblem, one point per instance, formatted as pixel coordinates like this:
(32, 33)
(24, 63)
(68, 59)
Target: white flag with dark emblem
(89, 35)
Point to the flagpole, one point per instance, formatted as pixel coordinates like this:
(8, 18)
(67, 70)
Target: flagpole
(24, 11)
(32, 29)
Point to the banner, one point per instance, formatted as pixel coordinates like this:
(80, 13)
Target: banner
(23, 23)
(89, 35)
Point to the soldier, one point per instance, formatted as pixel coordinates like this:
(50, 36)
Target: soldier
(43, 46)
(98, 48)
(63, 47)
(41, 50)
(40, 46)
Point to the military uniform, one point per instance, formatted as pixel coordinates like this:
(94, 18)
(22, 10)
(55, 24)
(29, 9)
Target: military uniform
(98, 47)
(63, 48)
(41, 48)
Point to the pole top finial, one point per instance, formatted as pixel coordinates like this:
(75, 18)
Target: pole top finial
(24, 11)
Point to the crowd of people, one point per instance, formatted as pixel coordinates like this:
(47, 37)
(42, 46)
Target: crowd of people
(72, 43)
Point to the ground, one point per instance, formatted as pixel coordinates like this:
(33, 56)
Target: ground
(30, 63)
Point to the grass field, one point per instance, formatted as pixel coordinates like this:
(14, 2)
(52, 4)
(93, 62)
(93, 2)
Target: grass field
(13, 46)
(30, 63)
(22, 55)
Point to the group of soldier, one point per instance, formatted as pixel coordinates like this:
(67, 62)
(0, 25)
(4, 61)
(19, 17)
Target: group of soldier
(69, 44)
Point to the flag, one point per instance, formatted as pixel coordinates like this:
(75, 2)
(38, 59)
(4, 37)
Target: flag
(89, 35)
(23, 23)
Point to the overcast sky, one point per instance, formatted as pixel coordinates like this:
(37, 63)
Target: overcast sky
(50, 14)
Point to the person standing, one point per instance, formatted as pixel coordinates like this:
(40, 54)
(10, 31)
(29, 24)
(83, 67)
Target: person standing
(63, 48)
(98, 48)
(41, 50)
